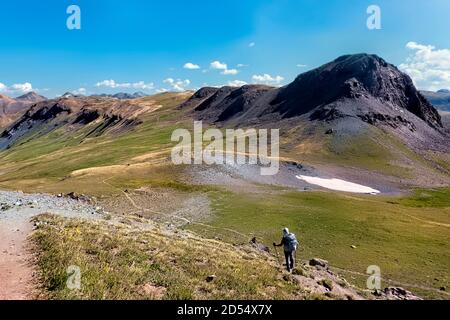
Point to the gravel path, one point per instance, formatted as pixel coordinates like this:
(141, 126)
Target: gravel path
(16, 210)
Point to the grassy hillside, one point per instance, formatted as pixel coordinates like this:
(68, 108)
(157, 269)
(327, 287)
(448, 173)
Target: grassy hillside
(43, 160)
(407, 237)
(366, 152)
(120, 262)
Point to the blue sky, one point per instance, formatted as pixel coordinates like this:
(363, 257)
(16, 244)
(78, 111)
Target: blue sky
(144, 45)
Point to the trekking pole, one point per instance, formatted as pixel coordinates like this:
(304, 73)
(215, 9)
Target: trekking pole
(295, 259)
(276, 252)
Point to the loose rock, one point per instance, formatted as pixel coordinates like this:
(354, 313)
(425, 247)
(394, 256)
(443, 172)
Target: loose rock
(316, 262)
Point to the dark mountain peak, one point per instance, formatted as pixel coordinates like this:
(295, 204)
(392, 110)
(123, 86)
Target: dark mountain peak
(204, 92)
(443, 91)
(358, 76)
(221, 104)
(361, 57)
(356, 63)
(31, 97)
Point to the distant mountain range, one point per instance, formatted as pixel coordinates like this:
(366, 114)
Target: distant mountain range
(12, 108)
(76, 111)
(119, 95)
(440, 99)
(123, 95)
(350, 94)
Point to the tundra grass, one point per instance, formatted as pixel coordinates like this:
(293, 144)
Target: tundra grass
(407, 238)
(121, 262)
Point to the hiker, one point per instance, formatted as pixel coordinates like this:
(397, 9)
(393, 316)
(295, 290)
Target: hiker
(290, 244)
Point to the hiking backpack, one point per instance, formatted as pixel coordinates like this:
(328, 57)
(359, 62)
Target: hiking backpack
(291, 242)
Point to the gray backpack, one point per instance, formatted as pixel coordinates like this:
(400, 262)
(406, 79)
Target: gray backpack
(290, 242)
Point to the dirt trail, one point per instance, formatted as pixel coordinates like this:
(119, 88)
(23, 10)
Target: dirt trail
(173, 215)
(16, 262)
(16, 272)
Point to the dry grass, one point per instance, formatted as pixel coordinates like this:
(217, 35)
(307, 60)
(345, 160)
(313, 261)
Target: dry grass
(123, 262)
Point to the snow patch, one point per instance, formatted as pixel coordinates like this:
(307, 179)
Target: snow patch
(338, 185)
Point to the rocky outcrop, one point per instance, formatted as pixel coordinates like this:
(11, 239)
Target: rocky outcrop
(396, 293)
(320, 263)
(393, 121)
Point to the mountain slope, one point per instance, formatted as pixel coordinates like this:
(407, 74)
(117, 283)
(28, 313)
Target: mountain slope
(172, 264)
(353, 77)
(11, 109)
(94, 114)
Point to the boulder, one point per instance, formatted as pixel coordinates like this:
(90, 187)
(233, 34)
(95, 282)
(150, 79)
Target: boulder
(316, 262)
(254, 242)
(398, 293)
(73, 195)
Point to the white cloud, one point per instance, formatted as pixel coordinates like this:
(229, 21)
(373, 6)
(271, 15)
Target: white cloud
(230, 72)
(237, 83)
(267, 79)
(22, 87)
(106, 83)
(191, 66)
(177, 85)
(218, 65)
(241, 65)
(141, 85)
(80, 91)
(251, 44)
(16, 89)
(427, 66)
(301, 65)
